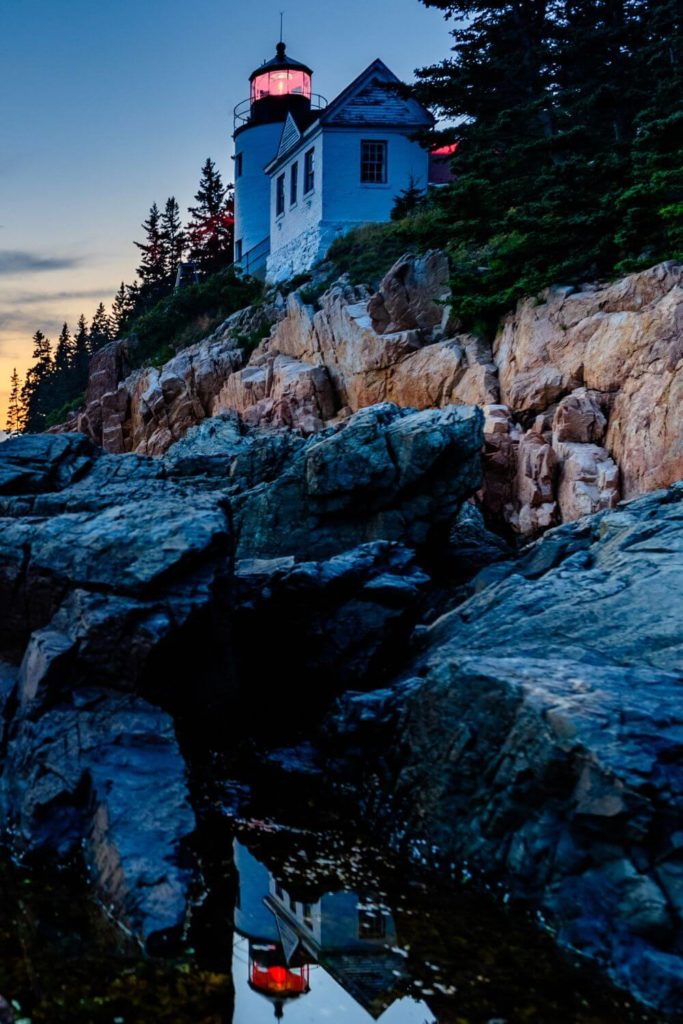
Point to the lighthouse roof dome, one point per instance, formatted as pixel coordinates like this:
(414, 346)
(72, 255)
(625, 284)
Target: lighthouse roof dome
(280, 62)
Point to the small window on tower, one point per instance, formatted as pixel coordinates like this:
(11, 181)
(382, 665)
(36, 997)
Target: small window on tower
(238, 250)
(309, 171)
(294, 183)
(373, 162)
(280, 196)
(238, 165)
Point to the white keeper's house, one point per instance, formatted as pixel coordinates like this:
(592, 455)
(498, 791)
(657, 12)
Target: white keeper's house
(307, 171)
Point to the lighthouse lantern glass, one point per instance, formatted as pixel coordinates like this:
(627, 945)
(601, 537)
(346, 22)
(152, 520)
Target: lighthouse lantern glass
(281, 83)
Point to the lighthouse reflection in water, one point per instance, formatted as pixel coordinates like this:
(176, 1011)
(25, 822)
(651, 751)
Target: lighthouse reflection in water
(332, 958)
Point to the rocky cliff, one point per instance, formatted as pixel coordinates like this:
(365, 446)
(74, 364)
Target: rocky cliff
(581, 389)
(121, 614)
(315, 503)
(536, 738)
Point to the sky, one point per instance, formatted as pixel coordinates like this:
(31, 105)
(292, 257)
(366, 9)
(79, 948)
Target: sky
(109, 105)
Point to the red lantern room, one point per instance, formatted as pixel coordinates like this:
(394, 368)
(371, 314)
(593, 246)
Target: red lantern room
(272, 977)
(280, 85)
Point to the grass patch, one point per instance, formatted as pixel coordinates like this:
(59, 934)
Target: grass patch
(368, 252)
(57, 416)
(188, 315)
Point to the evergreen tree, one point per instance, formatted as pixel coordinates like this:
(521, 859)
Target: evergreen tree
(62, 370)
(14, 417)
(100, 329)
(35, 400)
(408, 200)
(651, 206)
(81, 357)
(64, 352)
(550, 97)
(211, 228)
(120, 310)
(152, 269)
(173, 239)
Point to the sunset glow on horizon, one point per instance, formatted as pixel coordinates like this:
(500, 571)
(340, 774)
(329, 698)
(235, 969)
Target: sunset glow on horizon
(114, 107)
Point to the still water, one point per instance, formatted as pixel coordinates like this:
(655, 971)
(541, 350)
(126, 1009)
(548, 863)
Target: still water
(332, 929)
(305, 924)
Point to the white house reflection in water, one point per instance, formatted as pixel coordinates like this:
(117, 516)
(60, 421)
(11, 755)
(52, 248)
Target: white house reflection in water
(334, 959)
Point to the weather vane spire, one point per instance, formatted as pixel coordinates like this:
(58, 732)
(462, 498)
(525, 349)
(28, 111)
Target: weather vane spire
(282, 18)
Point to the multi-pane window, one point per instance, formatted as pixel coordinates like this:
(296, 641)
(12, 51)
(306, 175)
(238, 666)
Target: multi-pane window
(280, 196)
(309, 171)
(238, 165)
(373, 162)
(294, 183)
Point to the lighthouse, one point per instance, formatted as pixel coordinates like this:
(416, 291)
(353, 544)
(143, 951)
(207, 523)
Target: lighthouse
(278, 88)
(307, 172)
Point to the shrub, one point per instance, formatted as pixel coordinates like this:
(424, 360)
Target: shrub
(190, 314)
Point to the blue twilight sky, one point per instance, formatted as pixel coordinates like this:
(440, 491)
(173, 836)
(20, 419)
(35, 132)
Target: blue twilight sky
(108, 105)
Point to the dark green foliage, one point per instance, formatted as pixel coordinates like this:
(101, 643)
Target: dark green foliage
(14, 416)
(173, 239)
(35, 394)
(100, 329)
(152, 269)
(169, 324)
(61, 414)
(164, 320)
(569, 167)
(211, 229)
(407, 201)
(366, 253)
(122, 308)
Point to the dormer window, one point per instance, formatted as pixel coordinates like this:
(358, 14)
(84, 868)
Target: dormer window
(373, 162)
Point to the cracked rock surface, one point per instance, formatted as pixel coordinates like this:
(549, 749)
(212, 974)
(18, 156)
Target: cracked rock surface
(538, 737)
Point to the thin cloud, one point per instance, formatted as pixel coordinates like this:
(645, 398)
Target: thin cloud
(37, 298)
(18, 261)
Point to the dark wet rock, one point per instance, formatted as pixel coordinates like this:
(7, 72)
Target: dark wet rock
(38, 463)
(112, 584)
(538, 738)
(88, 775)
(384, 474)
(387, 473)
(471, 545)
(344, 622)
(116, 580)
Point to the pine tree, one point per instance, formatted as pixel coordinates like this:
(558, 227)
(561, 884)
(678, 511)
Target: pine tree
(547, 95)
(152, 270)
(211, 228)
(34, 397)
(81, 357)
(119, 311)
(173, 239)
(64, 351)
(408, 200)
(100, 329)
(123, 308)
(14, 417)
(62, 370)
(650, 208)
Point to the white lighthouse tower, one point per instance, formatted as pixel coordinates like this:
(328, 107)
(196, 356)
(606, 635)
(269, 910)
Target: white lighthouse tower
(279, 87)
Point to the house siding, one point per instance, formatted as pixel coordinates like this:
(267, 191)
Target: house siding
(346, 198)
(295, 237)
(340, 201)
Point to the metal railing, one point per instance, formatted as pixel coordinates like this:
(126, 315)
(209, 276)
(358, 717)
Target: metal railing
(242, 112)
(254, 261)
